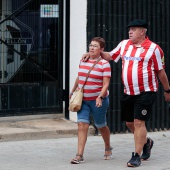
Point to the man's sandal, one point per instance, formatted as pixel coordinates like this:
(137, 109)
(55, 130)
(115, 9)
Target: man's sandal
(108, 156)
(77, 160)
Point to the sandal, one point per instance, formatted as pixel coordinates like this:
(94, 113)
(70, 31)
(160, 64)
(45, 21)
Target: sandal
(76, 160)
(108, 156)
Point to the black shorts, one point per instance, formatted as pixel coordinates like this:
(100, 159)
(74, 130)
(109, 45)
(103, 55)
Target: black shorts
(137, 106)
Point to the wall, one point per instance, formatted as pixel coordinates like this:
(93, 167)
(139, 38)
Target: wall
(78, 10)
(108, 19)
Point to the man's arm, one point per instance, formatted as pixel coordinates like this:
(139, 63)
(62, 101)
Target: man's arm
(106, 55)
(165, 83)
(163, 79)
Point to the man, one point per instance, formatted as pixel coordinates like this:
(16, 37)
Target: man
(142, 64)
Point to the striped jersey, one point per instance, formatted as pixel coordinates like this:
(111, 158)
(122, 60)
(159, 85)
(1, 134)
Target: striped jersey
(94, 83)
(139, 65)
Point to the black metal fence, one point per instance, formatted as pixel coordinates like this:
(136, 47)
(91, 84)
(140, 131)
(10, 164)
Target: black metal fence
(108, 19)
(31, 60)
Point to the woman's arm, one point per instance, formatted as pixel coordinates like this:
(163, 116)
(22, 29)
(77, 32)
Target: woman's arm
(74, 87)
(106, 82)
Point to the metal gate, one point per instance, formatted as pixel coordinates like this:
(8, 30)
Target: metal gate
(31, 60)
(108, 19)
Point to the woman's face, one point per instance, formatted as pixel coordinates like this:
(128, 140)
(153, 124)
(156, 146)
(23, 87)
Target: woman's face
(95, 49)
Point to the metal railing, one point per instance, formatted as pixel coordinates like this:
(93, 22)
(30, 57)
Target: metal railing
(108, 19)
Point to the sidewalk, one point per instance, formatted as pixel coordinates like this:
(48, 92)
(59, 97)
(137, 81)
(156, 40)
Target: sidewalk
(37, 127)
(49, 142)
(56, 154)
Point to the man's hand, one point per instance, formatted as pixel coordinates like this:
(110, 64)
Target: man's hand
(167, 96)
(85, 57)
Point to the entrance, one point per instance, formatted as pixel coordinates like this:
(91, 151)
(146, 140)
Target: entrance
(31, 60)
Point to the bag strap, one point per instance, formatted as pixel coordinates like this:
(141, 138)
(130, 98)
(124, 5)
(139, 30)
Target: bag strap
(90, 71)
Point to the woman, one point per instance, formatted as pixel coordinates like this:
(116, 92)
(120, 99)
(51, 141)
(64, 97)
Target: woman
(95, 98)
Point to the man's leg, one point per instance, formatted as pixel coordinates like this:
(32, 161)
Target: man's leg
(140, 134)
(140, 139)
(130, 126)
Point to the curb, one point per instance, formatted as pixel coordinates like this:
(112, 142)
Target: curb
(38, 128)
(41, 135)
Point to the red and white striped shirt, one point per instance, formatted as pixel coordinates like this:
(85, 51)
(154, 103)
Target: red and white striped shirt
(94, 82)
(139, 65)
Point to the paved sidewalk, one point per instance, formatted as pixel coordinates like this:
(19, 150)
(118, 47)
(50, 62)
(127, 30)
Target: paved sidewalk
(55, 154)
(48, 143)
(37, 127)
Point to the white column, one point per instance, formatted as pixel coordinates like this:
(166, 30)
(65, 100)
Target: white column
(78, 15)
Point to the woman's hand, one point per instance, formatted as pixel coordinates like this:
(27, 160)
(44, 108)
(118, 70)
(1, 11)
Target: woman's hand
(98, 102)
(70, 95)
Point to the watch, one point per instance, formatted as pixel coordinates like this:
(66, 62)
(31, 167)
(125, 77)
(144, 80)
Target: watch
(100, 97)
(167, 91)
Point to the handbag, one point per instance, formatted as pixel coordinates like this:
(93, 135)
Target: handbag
(77, 97)
(76, 100)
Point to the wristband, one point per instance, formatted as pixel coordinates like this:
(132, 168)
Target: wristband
(71, 93)
(100, 97)
(167, 91)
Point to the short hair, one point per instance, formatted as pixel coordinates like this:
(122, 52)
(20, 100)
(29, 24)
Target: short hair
(145, 30)
(100, 40)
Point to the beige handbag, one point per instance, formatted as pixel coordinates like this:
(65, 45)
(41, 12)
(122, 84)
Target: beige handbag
(76, 101)
(77, 97)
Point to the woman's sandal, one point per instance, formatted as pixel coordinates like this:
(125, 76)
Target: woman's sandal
(76, 160)
(108, 156)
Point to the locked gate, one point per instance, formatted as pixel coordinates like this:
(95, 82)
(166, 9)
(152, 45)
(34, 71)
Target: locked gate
(31, 60)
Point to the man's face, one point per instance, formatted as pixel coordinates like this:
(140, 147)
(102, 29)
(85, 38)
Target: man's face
(136, 33)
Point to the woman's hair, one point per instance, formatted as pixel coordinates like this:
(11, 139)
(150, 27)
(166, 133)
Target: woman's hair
(100, 40)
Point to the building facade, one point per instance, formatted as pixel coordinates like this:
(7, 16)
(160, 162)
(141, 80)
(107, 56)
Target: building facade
(42, 42)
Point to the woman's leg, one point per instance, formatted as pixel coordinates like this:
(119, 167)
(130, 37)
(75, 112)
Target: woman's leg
(99, 114)
(82, 136)
(105, 132)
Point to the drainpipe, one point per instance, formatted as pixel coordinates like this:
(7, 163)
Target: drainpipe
(2, 48)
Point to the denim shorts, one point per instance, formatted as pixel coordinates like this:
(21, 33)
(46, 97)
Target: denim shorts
(99, 113)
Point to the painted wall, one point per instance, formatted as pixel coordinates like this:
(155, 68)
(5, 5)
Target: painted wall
(78, 12)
